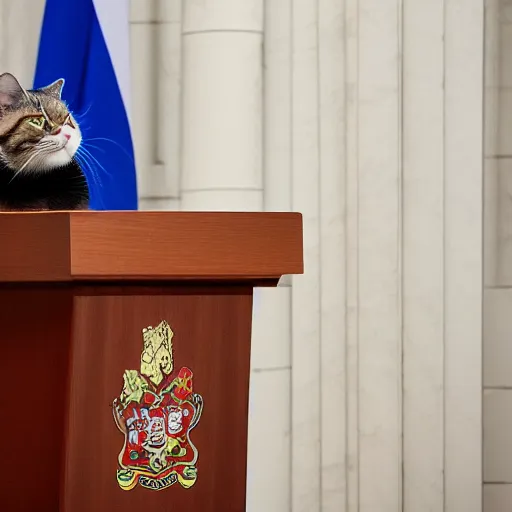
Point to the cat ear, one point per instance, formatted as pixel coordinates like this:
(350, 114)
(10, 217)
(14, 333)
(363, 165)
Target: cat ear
(54, 89)
(10, 90)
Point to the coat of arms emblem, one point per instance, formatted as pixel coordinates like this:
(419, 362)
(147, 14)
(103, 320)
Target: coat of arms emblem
(156, 411)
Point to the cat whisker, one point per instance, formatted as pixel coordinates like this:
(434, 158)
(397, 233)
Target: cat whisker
(49, 147)
(113, 142)
(93, 146)
(23, 167)
(95, 160)
(82, 114)
(83, 160)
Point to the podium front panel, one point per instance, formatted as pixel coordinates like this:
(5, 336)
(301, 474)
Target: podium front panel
(99, 415)
(211, 330)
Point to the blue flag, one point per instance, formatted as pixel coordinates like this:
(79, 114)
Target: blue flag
(86, 42)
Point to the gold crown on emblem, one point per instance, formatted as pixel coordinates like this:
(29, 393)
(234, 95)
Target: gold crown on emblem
(156, 358)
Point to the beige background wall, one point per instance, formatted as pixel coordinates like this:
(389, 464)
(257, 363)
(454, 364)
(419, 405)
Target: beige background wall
(366, 116)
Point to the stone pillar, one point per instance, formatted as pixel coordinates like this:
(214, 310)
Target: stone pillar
(423, 262)
(222, 105)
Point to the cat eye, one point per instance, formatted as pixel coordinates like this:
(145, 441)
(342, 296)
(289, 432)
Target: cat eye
(38, 122)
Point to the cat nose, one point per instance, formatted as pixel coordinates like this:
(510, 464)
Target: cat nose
(59, 130)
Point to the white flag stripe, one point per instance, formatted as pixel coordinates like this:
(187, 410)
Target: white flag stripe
(114, 20)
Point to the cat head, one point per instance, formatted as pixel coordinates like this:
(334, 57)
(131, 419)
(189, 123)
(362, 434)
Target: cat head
(37, 131)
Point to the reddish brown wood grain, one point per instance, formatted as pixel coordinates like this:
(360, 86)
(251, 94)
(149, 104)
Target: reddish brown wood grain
(34, 247)
(212, 337)
(35, 328)
(150, 246)
(186, 244)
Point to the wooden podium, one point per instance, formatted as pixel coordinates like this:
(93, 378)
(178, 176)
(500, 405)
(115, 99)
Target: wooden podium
(79, 432)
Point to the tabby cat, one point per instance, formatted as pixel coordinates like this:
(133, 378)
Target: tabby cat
(39, 140)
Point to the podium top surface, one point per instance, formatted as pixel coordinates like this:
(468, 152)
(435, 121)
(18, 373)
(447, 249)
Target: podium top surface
(149, 246)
